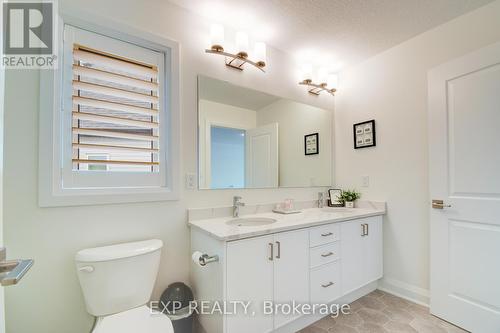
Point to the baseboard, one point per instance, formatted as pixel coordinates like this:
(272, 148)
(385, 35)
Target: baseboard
(404, 290)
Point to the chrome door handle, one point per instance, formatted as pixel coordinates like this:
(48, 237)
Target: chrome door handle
(271, 256)
(439, 204)
(367, 229)
(14, 270)
(278, 256)
(11, 271)
(327, 234)
(328, 284)
(324, 255)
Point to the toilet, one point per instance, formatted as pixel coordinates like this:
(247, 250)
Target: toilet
(117, 282)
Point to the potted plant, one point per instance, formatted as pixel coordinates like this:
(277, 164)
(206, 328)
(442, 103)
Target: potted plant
(348, 197)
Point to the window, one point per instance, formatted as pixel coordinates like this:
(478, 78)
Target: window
(115, 132)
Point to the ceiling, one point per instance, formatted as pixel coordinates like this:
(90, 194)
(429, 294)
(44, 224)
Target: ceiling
(343, 32)
(226, 93)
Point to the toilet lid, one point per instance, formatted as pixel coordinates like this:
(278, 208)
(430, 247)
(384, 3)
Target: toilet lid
(138, 320)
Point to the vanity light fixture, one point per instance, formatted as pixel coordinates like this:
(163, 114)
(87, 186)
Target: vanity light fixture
(327, 82)
(240, 58)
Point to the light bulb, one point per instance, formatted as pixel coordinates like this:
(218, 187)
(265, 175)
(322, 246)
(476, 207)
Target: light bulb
(217, 37)
(260, 53)
(307, 72)
(333, 81)
(322, 75)
(242, 44)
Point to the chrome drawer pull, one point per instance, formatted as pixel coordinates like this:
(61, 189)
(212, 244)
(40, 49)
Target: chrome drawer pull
(329, 284)
(324, 255)
(327, 234)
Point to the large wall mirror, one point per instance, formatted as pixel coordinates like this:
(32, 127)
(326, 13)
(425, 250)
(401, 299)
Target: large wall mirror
(251, 139)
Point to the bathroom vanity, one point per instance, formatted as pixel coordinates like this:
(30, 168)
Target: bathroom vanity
(319, 256)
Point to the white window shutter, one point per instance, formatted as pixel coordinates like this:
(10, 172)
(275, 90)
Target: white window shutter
(115, 113)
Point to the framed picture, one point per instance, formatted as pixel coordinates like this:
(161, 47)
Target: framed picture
(311, 144)
(364, 134)
(334, 193)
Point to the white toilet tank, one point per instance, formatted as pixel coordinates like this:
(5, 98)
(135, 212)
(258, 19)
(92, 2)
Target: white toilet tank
(118, 277)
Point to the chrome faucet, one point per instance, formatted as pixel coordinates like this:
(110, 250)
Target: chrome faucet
(236, 206)
(321, 200)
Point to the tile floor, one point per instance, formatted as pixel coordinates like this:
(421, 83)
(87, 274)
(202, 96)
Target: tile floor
(384, 313)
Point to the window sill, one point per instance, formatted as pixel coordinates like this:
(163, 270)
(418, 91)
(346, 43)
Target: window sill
(83, 197)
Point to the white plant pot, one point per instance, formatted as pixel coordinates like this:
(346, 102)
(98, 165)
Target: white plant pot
(349, 204)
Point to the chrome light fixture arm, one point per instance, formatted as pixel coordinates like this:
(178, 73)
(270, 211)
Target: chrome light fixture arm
(236, 61)
(316, 89)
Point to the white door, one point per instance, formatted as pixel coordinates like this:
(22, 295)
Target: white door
(250, 278)
(291, 271)
(262, 156)
(464, 157)
(353, 256)
(373, 240)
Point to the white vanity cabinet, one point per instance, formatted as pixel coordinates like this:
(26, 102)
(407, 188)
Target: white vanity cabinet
(335, 262)
(362, 255)
(269, 268)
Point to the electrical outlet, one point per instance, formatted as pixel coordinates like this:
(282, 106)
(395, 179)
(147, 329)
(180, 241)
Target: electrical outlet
(190, 181)
(365, 181)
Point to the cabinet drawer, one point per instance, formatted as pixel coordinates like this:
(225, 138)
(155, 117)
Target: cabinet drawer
(324, 234)
(324, 254)
(325, 283)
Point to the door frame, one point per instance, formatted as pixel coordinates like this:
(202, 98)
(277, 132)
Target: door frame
(207, 159)
(2, 102)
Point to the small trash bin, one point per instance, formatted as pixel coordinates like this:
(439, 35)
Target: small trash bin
(176, 299)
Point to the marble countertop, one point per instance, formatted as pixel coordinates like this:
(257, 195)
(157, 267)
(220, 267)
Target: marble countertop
(217, 227)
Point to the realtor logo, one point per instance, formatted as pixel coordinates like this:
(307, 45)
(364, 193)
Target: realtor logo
(28, 35)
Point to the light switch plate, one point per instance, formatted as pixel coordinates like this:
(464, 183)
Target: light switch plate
(190, 181)
(365, 181)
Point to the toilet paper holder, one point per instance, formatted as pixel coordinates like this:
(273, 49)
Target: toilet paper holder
(206, 259)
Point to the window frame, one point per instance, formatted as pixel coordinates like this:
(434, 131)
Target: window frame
(52, 114)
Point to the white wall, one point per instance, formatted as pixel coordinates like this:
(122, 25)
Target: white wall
(210, 114)
(296, 120)
(49, 299)
(392, 89)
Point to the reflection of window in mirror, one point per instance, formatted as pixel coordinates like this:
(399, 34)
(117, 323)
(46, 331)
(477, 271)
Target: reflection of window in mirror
(227, 157)
(97, 166)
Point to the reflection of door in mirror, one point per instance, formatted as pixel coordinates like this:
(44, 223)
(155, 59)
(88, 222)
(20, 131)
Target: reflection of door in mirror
(262, 156)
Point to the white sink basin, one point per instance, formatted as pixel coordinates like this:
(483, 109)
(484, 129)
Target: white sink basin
(339, 210)
(251, 221)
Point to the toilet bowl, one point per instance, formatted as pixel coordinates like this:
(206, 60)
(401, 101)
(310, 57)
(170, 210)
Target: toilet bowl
(117, 282)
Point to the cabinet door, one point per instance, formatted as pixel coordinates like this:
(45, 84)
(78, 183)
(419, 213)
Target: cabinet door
(352, 256)
(291, 271)
(250, 278)
(374, 249)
